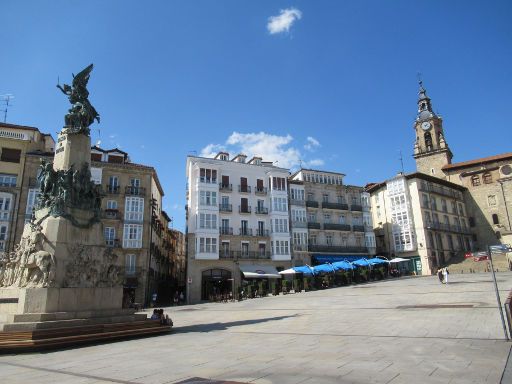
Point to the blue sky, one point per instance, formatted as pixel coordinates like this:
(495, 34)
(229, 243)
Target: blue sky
(331, 84)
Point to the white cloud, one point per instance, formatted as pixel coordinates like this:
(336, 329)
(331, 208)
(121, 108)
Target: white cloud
(284, 21)
(175, 206)
(272, 148)
(311, 144)
(315, 163)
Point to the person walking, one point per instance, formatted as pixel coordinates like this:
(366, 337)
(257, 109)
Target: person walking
(445, 275)
(440, 275)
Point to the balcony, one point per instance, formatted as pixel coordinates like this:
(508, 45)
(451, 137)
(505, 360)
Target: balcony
(300, 247)
(262, 232)
(261, 211)
(311, 204)
(448, 228)
(260, 191)
(113, 189)
(113, 243)
(338, 206)
(299, 224)
(356, 207)
(358, 228)
(111, 214)
(225, 208)
(244, 209)
(226, 230)
(245, 231)
(225, 187)
(440, 191)
(300, 203)
(337, 227)
(134, 191)
(251, 255)
(244, 189)
(336, 248)
(313, 225)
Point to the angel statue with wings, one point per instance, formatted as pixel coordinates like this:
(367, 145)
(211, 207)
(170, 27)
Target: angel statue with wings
(81, 114)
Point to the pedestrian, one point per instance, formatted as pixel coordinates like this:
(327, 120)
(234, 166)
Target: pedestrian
(445, 275)
(176, 298)
(440, 275)
(182, 298)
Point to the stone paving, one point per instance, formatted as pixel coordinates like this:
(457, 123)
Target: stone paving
(411, 330)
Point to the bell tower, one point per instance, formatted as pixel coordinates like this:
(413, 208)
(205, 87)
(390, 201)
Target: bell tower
(431, 150)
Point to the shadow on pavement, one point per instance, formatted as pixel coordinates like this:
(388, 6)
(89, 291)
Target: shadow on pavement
(209, 327)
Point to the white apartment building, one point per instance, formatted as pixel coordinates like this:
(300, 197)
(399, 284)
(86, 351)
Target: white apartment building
(298, 223)
(237, 223)
(422, 218)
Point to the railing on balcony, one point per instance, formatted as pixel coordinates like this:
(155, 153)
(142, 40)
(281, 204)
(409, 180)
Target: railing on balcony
(260, 191)
(313, 225)
(262, 232)
(301, 203)
(226, 230)
(251, 255)
(113, 243)
(225, 208)
(299, 224)
(448, 227)
(244, 189)
(261, 210)
(113, 189)
(134, 191)
(339, 206)
(440, 191)
(244, 209)
(336, 227)
(336, 248)
(225, 187)
(358, 228)
(311, 204)
(112, 214)
(356, 207)
(245, 231)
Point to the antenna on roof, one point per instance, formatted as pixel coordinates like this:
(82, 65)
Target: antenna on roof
(5, 101)
(402, 161)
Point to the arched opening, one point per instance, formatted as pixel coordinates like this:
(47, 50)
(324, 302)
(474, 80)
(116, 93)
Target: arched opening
(428, 141)
(216, 285)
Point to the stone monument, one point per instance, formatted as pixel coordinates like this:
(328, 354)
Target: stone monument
(61, 274)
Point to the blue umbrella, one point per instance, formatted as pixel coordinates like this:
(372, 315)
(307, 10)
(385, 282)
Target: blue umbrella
(376, 261)
(326, 268)
(342, 265)
(361, 263)
(305, 269)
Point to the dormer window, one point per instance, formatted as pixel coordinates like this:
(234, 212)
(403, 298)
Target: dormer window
(223, 157)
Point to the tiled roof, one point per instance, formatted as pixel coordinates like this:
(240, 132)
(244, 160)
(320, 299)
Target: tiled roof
(14, 126)
(483, 160)
(374, 186)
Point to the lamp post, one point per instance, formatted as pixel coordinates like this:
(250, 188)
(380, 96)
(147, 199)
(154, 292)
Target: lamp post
(153, 208)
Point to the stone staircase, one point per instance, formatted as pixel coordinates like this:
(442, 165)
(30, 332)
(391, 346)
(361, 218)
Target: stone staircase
(459, 264)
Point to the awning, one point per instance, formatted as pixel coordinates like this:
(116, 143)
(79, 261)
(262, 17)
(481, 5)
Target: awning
(324, 268)
(376, 260)
(343, 265)
(305, 270)
(321, 259)
(259, 271)
(361, 263)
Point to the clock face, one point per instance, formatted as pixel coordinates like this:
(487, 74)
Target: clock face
(425, 125)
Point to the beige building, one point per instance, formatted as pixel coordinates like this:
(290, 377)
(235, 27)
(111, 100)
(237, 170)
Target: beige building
(337, 218)
(132, 218)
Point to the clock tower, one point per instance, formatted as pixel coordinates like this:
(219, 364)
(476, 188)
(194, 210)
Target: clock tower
(431, 150)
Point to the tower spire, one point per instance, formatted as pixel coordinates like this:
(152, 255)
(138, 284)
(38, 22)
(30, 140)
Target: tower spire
(424, 105)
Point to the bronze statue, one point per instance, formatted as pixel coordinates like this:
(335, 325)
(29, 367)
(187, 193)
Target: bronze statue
(81, 114)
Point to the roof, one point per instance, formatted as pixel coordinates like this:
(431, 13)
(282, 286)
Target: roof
(14, 126)
(483, 160)
(418, 175)
(95, 147)
(316, 170)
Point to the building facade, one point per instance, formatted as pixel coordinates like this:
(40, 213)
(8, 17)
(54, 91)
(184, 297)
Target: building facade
(237, 224)
(337, 218)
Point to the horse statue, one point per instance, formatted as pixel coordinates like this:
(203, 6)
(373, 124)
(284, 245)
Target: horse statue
(40, 267)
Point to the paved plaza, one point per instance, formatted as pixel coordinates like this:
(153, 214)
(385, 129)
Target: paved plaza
(412, 330)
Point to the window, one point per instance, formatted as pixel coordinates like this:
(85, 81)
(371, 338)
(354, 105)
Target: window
(134, 208)
(113, 184)
(207, 221)
(281, 247)
(3, 236)
(299, 215)
(245, 249)
(340, 199)
(454, 207)
(312, 217)
(5, 207)
(130, 264)
(461, 210)
(475, 180)
(208, 198)
(208, 176)
(279, 225)
(312, 239)
(279, 204)
(110, 236)
(297, 194)
(495, 219)
(7, 180)
(300, 238)
(327, 218)
(444, 207)
(433, 203)
(342, 219)
(487, 178)
(207, 245)
(491, 200)
(328, 239)
(32, 199)
(325, 198)
(132, 236)
(425, 200)
(11, 155)
(111, 204)
(279, 183)
(135, 182)
(428, 219)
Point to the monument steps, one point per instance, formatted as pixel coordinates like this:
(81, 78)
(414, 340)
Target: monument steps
(65, 336)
